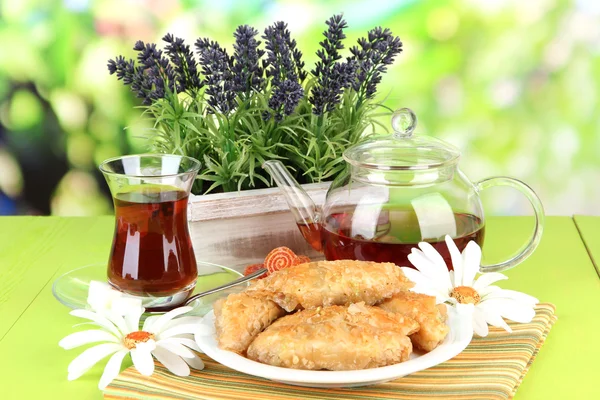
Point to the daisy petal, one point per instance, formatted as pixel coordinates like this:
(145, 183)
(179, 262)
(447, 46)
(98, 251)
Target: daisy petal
(178, 330)
(172, 362)
(514, 295)
(142, 360)
(432, 254)
(127, 304)
(487, 279)
(471, 261)
(101, 295)
(441, 269)
(485, 292)
(98, 319)
(509, 309)
(146, 346)
(417, 276)
(497, 321)
(89, 357)
(117, 319)
(195, 362)
(183, 320)
(132, 318)
(480, 326)
(462, 308)
(189, 342)
(421, 262)
(174, 346)
(149, 321)
(457, 261)
(164, 319)
(86, 337)
(439, 297)
(112, 369)
(425, 285)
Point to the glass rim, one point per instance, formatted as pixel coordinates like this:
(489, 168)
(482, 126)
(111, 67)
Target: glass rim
(445, 154)
(450, 162)
(195, 165)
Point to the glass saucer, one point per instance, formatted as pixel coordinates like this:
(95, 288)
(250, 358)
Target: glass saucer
(71, 289)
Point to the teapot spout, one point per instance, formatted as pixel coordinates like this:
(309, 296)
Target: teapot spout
(301, 205)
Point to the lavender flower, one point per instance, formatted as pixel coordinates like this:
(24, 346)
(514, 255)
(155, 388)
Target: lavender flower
(284, 98)
(186, 70)
(373, 55)
(152, 79)
(125, 69)
(217, 69)
(296, 56)
(279, 64)
(156, 66)
(143, 86)
(332, 76)
(284, 67)
(247, 72)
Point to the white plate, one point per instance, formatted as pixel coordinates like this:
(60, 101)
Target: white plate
(461, 332)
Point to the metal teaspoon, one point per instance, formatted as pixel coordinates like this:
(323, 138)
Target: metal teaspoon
(239, 281)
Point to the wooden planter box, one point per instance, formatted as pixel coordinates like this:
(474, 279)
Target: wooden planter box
(239, 228)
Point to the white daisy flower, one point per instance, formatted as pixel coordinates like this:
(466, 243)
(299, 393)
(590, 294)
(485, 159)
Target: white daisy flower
(102, 297)
(167, 338)
(460, 288)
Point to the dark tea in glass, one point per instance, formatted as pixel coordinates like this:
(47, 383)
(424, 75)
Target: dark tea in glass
(152, 255)
(152, 250)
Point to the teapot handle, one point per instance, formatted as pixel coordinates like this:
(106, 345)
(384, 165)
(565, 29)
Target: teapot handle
(538, 212)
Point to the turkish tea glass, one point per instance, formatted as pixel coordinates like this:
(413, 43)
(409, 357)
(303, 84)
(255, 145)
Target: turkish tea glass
(152, 255)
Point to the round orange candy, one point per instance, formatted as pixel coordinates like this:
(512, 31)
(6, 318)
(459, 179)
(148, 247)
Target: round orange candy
(253, 268)
(280, 258)
(302, 260)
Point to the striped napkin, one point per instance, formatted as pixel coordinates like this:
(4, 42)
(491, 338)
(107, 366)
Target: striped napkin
(490, 368)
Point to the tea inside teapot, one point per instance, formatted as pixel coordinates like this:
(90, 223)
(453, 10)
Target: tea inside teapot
(398, 191)
(396, 233)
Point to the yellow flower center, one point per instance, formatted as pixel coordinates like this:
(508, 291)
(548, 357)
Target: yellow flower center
(465, 295)
(137, 337)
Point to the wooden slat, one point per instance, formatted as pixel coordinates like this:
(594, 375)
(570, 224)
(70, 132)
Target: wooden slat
(237, 242)
(247, 203)
(240, 228)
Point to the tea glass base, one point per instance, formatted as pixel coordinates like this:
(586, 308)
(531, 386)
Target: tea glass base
(71, 289)
(161, 303)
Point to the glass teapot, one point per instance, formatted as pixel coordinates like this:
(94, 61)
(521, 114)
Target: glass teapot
(397, 191)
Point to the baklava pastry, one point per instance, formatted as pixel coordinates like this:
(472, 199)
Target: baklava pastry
(422, 308)
(326, 283)
(335, 338)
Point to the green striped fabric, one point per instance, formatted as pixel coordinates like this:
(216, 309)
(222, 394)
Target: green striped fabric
(490, 368)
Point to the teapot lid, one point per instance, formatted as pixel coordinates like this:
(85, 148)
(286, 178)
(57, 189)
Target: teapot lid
(402, 150)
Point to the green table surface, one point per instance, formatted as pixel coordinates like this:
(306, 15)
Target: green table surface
(34, 251)
(589, 229)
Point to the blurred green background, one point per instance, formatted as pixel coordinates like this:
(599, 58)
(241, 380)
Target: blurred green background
(512, 83)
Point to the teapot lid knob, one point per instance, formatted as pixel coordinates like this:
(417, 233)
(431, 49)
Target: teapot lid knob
(404, 122)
